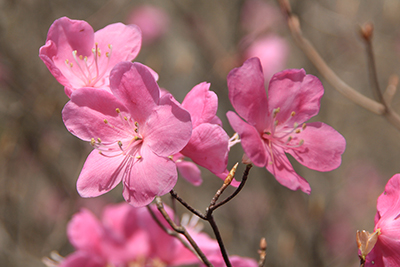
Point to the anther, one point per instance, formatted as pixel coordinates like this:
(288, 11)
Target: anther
(117, 110)
(295, 125)
(276, 122)
(136, 124)
(138, 157)
(125, 118)
(289, 139)
(267, 133)
(92, 142)
(301, 142)
(120, 144)
(99, 140)
(276, 111)
(304, 126)
(293, 113)
(297, 131)
(170, 157)
(105, 121)
(80, 57)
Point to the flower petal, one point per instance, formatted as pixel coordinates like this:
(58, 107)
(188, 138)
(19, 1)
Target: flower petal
(84, 115)
(125, 40)
(85, 232)
(251, 141)
(168, 129)
(135, 86)
(322, 147)
(148, 177)
(190, 172)
(100, 174)
(64, 36)
(247, 93)
(201, 103)
(208, 147)
(284, 173)
(293, 90)
(388, 203)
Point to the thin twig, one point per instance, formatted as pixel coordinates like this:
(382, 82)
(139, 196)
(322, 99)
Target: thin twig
(391, 89)
(186, 205)
(218, 236)
(240, 187)
(263, 252)
(182, 230)
(170, 232)
(380, 108)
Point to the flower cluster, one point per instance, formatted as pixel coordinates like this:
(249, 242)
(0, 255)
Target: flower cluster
(141, 136)
(128, 236)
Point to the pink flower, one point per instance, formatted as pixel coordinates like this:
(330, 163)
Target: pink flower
(153, 22)
(208, 145)
(79, 57)
(236, 261)
(118, 240)
(386, 251)
(134, 133)
(272, 51)
(275, 124)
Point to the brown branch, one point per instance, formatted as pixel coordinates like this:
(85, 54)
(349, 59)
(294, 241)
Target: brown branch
(182, 230)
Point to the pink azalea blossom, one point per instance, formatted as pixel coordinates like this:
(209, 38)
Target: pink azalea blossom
(152, 21)
(208, 145)
(236, 261)
(118, 240)
(386, 252)
(79, 57)
(274, 125)
(272, 51)
(134, 133)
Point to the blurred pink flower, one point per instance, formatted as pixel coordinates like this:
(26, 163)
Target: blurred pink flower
(128, 236)
(208, 145)
(79, 57)
(386, 252)
(273, 53)
(275, 124)
(258, 16)
(134, 133)
(117, 240)
(153, 22)
(236, 261)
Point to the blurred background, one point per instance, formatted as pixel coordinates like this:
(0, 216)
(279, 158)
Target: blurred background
(188, 42)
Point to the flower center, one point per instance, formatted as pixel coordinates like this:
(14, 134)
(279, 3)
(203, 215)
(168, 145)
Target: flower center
(90, 70)
(282, 135)
(127, 147)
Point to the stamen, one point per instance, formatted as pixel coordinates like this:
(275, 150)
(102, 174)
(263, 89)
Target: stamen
(295, 125)
(276, 122)
(120, 145)
(138, 157)
(171, 157)
(276, 111)
(105, 121)
(304, 126)
(99, 140)
(117, 110)
(293, 113)
(92, 142)
(297, 131)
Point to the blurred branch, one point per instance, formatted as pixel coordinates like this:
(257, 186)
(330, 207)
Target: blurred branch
(379, 107)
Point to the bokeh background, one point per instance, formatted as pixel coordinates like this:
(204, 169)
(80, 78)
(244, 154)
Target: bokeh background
(190, 42)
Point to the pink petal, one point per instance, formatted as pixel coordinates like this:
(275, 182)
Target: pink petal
(208, 147)
(148, 177)
(284, 173)
(85, 232)
(84, 115)
(135, 87)
(247, 93)
(83, 259)
(293, 90)
(190, 172)
(125, 40)
(100, 174)
(201, 103)
(388, 203)
(322, 148)
(64, 36)
(252, 143)
(168, 128)
(121, 218)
